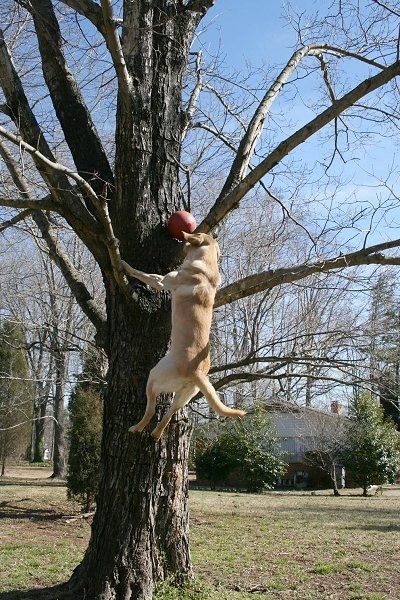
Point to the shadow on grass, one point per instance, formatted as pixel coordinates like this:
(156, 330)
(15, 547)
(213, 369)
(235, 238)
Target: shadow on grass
(45, 482)
(11, 511)
(58, 592)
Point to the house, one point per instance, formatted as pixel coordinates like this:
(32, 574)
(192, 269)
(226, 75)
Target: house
(301, 429)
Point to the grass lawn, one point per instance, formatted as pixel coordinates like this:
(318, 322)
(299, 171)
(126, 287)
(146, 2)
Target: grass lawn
(271, 546)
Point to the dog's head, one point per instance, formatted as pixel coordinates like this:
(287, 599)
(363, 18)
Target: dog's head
(200, 240)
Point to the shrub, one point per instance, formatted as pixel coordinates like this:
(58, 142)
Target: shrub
(85, 442)
(86, 415)
(249, 448)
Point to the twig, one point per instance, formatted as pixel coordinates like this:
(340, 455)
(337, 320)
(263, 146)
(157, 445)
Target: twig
(86, 515)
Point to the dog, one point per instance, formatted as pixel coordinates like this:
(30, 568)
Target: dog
(183, 370)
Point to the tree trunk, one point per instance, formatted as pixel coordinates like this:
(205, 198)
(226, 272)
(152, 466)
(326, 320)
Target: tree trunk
(59, 452)
(334, 480)
(3, 455)
(140, 530)
(42, 392)
(38, 430)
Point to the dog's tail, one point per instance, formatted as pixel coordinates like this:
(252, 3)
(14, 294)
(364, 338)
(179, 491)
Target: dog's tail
(207, 388)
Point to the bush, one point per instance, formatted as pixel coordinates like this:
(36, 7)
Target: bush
(85, 442)
(215, 462)
(249, 448)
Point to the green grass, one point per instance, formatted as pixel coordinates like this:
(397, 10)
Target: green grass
(38, 547)
(243, 546)
(27, 564)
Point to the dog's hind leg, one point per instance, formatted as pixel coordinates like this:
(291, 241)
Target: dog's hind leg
(150, 410)
(181, 398)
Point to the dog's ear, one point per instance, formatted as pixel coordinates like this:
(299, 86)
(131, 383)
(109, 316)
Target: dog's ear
(196, 239)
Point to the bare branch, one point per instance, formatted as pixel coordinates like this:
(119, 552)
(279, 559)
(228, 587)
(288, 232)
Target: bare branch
(247, 145)
(57, 253)
(246, 377)
(217, 134)
(227, 203)
(68, 203)
(28, 421)
(72, 112)
(90, 10)
(386, 7)
(193, 97)
(99, 202)
(115, 48)
(46, 162)
(274, 277)
(15, 220)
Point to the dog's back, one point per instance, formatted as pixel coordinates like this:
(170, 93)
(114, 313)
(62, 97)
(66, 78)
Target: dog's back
(192, 304)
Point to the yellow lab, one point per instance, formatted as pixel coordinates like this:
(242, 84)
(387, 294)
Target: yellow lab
(183, 370)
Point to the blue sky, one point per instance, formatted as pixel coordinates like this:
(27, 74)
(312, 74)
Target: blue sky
(257, 33)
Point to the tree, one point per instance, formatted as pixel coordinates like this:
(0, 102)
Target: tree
(373, 452)
(117, 197)
(86, 409)
(15, 394)
(326, 443)
(37, 298)
(383, 329)
(295, 342)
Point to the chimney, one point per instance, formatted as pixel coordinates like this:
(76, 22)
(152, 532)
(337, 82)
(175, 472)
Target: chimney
(336, 408)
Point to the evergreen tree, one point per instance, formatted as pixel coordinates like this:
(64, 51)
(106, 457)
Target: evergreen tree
(215, 461)
(373, 453)
(385, 345)
(15, 394)
(86, 411)
(257, 451)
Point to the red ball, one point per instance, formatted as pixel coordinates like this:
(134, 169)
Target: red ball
(179, 222)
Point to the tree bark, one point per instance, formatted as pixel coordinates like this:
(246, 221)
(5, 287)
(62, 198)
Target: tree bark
(334, 480)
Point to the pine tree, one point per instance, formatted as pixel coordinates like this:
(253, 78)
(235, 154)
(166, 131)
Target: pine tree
(15, 394)
(385, 345)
